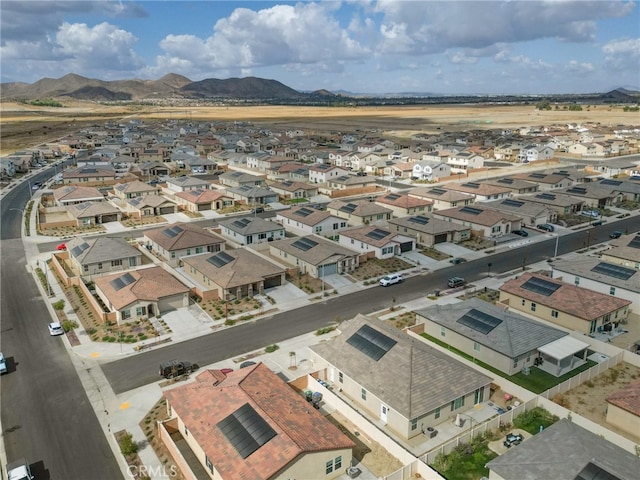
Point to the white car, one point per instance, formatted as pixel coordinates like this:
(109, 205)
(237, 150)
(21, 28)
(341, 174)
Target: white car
(55, 329)
(391, 279)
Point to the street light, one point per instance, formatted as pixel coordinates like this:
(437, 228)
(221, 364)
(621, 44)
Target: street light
(489, 269)
(555, 253)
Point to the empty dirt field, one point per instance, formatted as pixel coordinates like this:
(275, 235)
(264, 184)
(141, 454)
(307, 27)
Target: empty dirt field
(23, 125)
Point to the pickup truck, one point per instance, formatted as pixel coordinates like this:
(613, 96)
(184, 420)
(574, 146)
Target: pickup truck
(175, 368)
(19, 470)
(3, 364)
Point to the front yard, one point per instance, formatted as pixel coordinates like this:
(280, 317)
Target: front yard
(375, 268)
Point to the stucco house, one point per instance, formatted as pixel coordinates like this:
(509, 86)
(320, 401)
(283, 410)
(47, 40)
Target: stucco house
(141, 293)
(561, 204)
(238, 179)
(624, 251)
(89, 214)
(99, 256)
(185, 183)
(484, 221)
(428, 230)
(307, 220)
(430, 170)
(399, 382)
(150, 205)
(623, 409)
(201, 200)
(73, 194)
(172, 242)
(249, 424)
(379, 241)
(134, 189)
(482, 192)
(290, 189)
(250, 230)
(442, 198)
(323, 173)
(359, 212)
(403, 205)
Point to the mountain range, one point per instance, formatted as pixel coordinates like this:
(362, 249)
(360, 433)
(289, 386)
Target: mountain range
(251, 89)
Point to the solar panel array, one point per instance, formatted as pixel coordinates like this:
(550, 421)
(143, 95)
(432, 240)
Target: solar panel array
(220, 259)
(512, 203)
(608, 181)
(541, 286)
(471, 210)
(635, 242)
(437, 191)
(121, 282)
(173, 231)
(471, 185)
(348, 208)
(419, 220)
(288, 183)
(537, 175)
(304, 244)
(577, 190)
(612, 270)
(546, 196)
(246, 430)
(75, 251)
(135, 201)
(508, 181)
(241, 223)
(392, 196)
(479, 321)
(377, 234)
(303, 212)
(371, 342)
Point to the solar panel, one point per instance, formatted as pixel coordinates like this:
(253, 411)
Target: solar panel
(608, 181)
(392, 196)
(342, 178)
(303, 212)
(512, 203)
(377, 234)
(537, 175)
(75, 251)
(241, 223)
(437, 191)
(612, 270)
(173, 231)
(471, 185)
(127, 279)
(371, 342)
(220, 259)
(287, 183)
(541, 286)
(546, 196)
(304, 244)
(117, 284)
(135, 201)
(479, 321)
(419, 219)
(348, 208)
(471, 210)
(507, 181)
(246, 430)
(635, 242)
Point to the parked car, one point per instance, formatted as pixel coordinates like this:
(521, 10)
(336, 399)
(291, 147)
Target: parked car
(513, 439)
(19, 470)
(258, 210)
(3, 364)
(590, 213)
(62, 247)
(455, 282)
(615, 234)
(36, 185)
(55, 328)
(623, 215)
(522, 233)
(391, 279)
(457, 260)
(546, 227)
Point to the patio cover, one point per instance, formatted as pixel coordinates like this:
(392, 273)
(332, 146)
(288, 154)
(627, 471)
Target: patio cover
(563, 347)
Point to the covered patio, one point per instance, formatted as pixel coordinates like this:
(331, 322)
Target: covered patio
(562, 356)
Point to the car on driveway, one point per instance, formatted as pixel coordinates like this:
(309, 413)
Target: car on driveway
(615, 234)
(522, 233)
(391, 279)
(546, 227)
(513, 439)
(457, 260)
(62, 247)
(55, 328)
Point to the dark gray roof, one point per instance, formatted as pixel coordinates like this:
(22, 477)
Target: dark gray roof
(562, 452)
(412, 377)
(515, 335)
(101, 249)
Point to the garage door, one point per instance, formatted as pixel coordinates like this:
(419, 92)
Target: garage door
(406, 246)
(328, 269)
(273, 282)
(110, 218)
(165, 210)
(441, 238)
(171, 303)
(204, 206)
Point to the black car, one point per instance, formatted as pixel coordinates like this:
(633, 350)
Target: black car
(615, 234)
(546, 227)
(457, 260)
(513, 439)
(522, 233)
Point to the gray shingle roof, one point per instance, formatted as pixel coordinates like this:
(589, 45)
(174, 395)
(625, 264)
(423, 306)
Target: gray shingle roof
(102, 249)
(412, 377)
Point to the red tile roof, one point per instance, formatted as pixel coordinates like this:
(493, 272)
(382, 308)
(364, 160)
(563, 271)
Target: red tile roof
(627, 398)
(299, 427)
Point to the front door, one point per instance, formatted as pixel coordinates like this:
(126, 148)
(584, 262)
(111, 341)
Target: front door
(478, 397)
(384, 410)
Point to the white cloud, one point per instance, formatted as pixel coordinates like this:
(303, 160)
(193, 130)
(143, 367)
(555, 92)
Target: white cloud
(622, 54)
(579, 68)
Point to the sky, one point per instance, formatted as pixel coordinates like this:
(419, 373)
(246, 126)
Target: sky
(372, 47)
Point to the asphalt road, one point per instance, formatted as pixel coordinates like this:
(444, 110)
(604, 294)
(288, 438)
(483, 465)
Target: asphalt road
(139, 370)
(46, 415)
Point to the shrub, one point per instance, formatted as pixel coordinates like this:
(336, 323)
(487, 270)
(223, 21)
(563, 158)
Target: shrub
(68, 325)
(271, 348)
(59, 305)
(127, 445)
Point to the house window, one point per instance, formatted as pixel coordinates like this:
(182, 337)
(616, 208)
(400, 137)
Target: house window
(523, 302)
(363, 394)
(335, 226)
(85, 268)
(199, 249)
(318, 229)
(476, 346)
(116, 263)
(554, 313)
(515, 362)
(443, 331)
(337, 463)
(100, 266)
(437, 414)
(612, 290)
(173, 254)
(343, 224)
(133, 262)
(414, 424)
(188, 251)
(126, 314)
(576, 280)
(457, 403)
(329, 467)
(141, 311)
(209, 464)
(341, 377)
(533, 307)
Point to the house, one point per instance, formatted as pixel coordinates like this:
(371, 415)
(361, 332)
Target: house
(134, 189)
(250, 230)
(441, 198)
(359, 212)
(561, 204)
(403, 205)
(73, 194)
(150, 205)
(546, 181)
(465, 161)
(252, 195)
(570, 306)
(395, 380)
(7, 168)
(322, 173)
(102, 255)
(314, 255)
(549, 455)
(102, 175)
(482, 192)
(199, 200)
(500, 338)
(172, 242)
(291, 189)
(239, 179)
(531, 213)
(231, 274)
(142, 293)
(623, 409)
(517, 187)
(486, 222)
(88, 214)
(380, 242)
(601, 276)
(593, 195)
(428, 230)
(624, 251)
(307, 220)
(185, 183)
(346, 182)
(250, 424)
(430, 170)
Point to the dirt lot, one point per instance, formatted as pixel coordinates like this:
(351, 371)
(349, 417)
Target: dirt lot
(588, 399)
(26, 125)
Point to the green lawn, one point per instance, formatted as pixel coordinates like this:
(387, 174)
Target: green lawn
(466, 462)
(537, 381)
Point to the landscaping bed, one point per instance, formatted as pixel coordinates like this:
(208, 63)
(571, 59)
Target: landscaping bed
(468, 460)
(375, 268)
